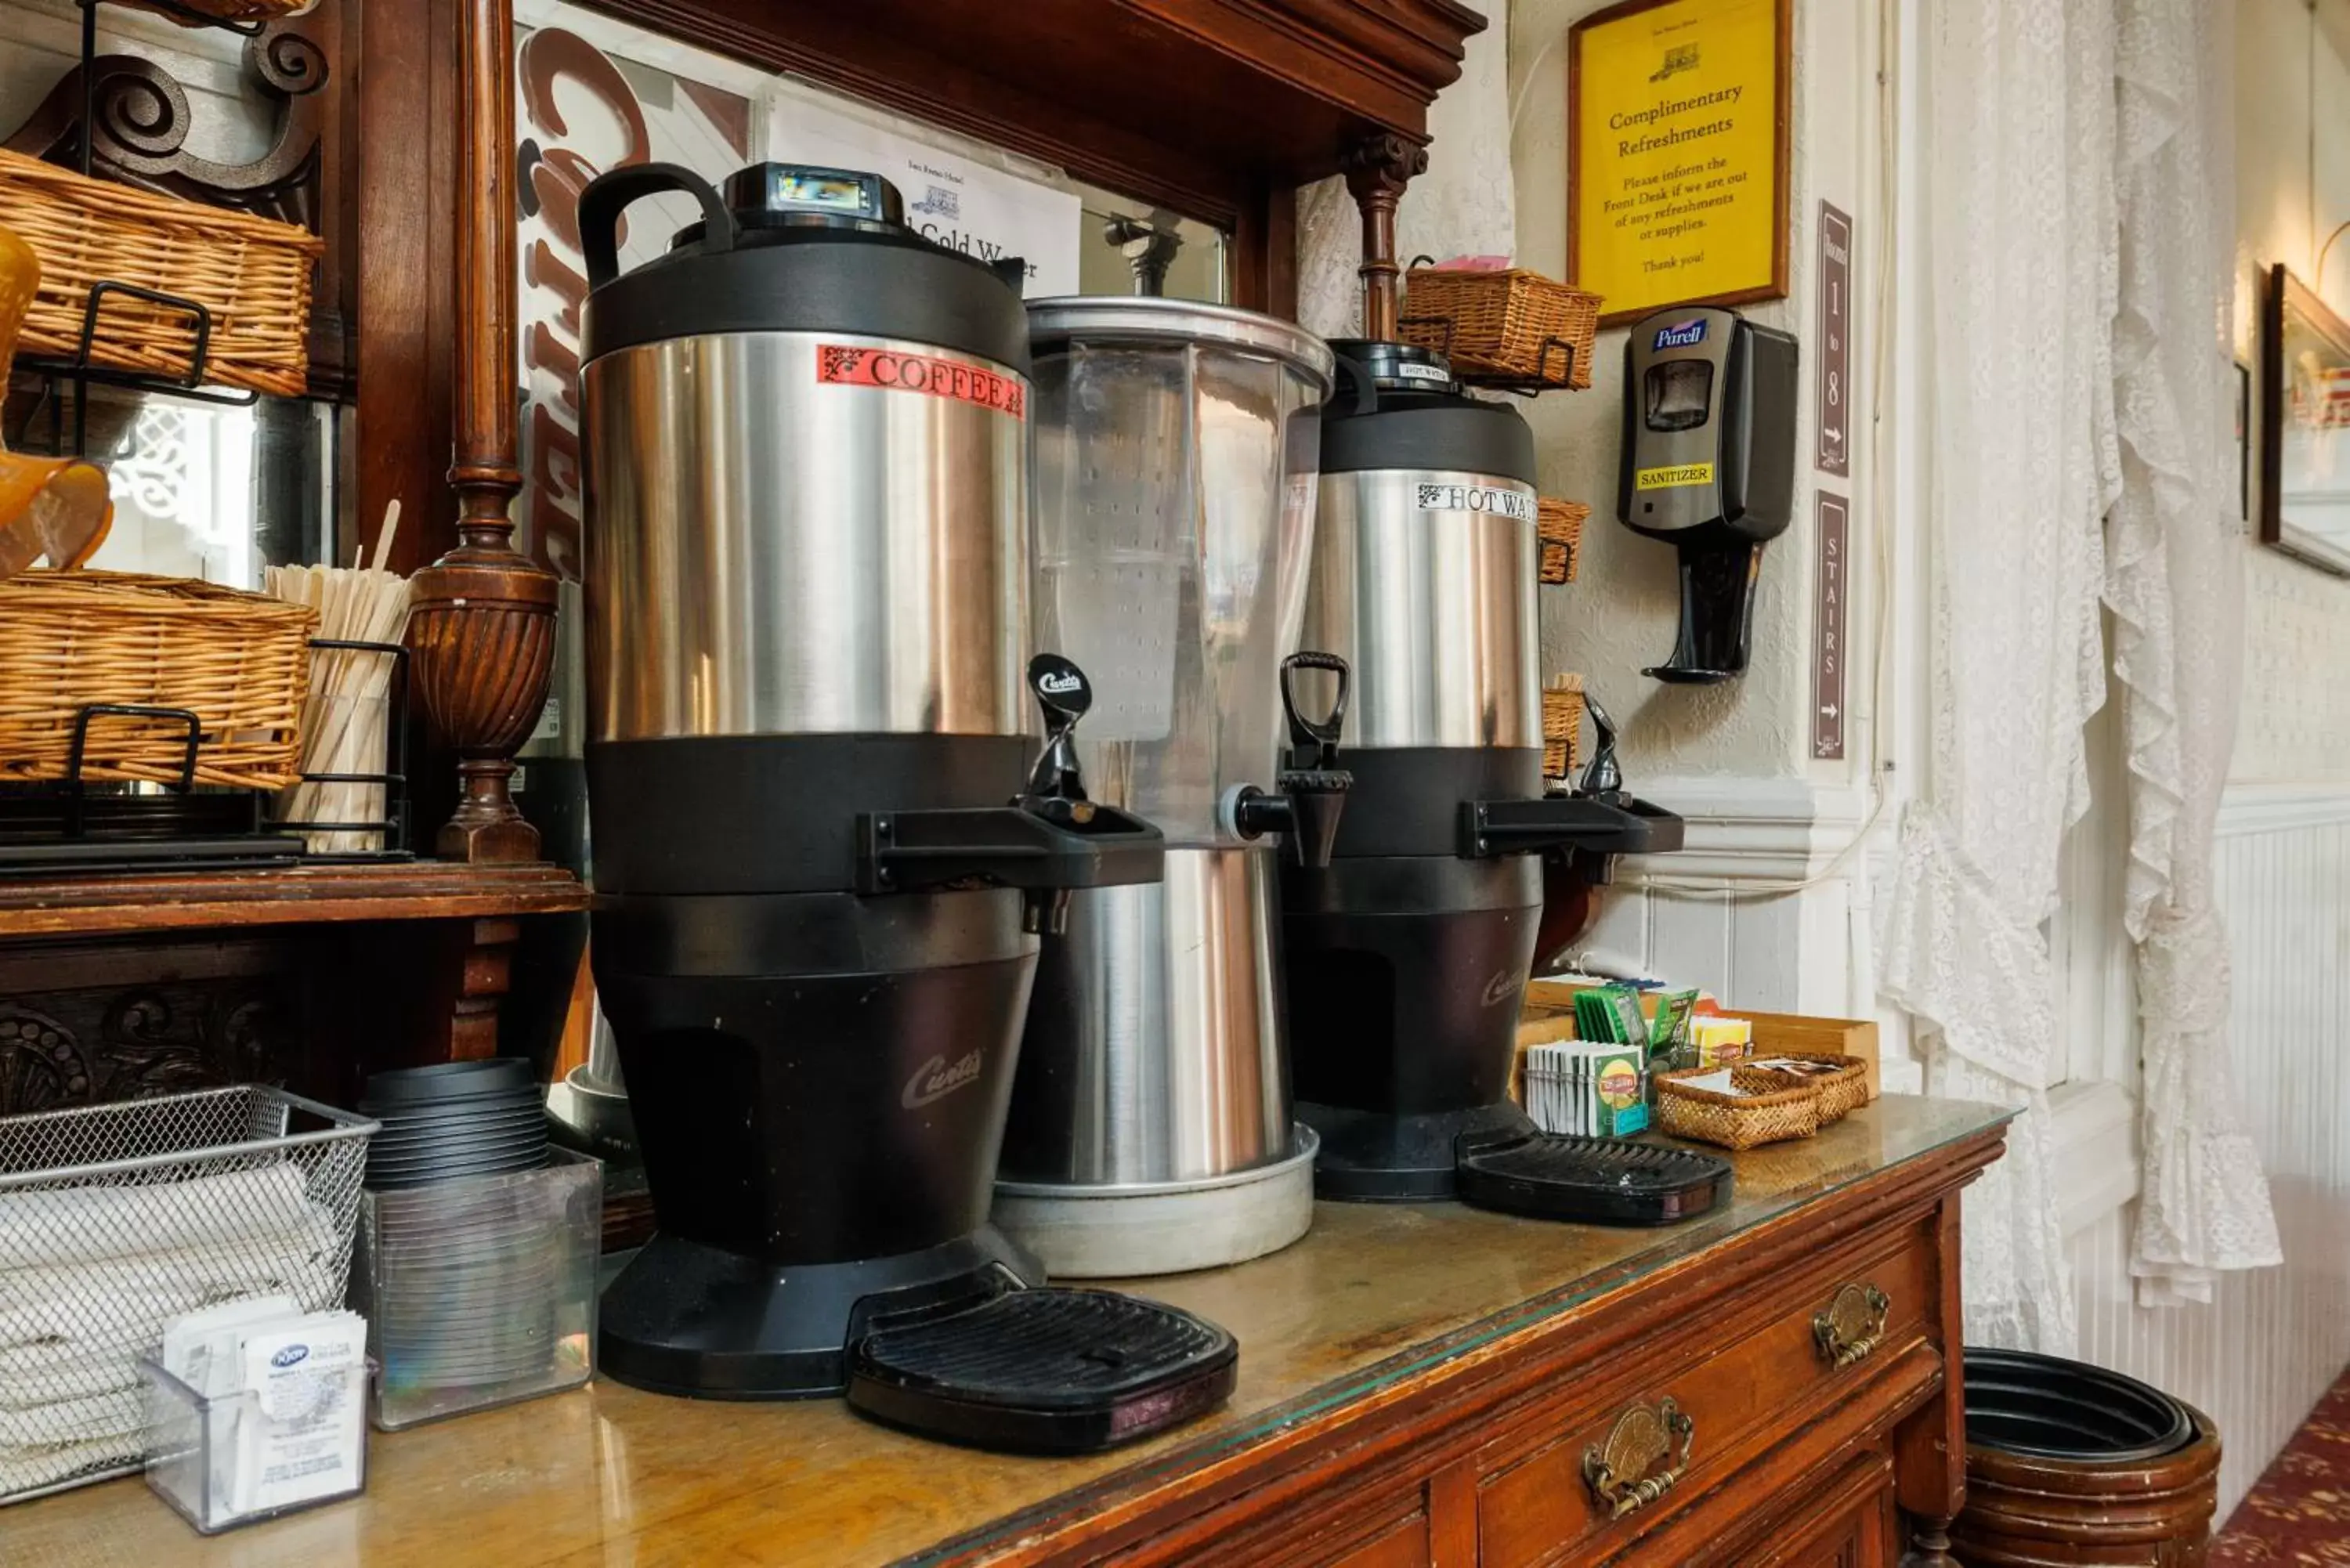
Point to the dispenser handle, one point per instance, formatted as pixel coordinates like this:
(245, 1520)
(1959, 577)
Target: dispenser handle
(1067, 695)
(1603, 777)
(611, 192)
(1313, 788)
(1321, 734)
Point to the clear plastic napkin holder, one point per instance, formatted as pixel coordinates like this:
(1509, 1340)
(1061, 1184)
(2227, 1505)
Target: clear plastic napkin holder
(197, 1445)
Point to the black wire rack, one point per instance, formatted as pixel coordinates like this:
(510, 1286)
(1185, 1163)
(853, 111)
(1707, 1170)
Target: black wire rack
(391, 828)
(1533, 386)
(64, 826)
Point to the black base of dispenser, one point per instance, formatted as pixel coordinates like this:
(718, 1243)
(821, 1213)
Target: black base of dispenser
(1045, 1372)
(1590, 1180)
(1377, 1156)
(1494, 1158)
(688, 1319)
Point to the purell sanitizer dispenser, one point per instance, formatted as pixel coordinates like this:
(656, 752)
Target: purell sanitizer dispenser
(1709, 464)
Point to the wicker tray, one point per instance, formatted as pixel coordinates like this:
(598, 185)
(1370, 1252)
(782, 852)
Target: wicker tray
(1559, 527)
(251, 275)
(1769, 1112)
(1515, 325)
(1844, 1090)
(239, 662)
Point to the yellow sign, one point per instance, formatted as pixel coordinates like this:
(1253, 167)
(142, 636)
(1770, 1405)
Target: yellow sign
(1675, 477)
(1677, 153)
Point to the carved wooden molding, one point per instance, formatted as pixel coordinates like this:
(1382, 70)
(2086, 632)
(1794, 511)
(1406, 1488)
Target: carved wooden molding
(93, 1046)
(143, 118)
(483, 629)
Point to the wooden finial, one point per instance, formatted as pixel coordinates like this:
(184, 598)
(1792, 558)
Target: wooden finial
(1378, 167)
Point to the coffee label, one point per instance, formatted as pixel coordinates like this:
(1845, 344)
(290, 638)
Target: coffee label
(842, 365)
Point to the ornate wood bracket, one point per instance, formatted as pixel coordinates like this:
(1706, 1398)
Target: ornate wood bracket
(482, 630)
(1378, 167)
(141, 120)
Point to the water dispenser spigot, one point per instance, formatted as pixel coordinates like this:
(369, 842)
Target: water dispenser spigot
(1056, 783)
(1313, 788)
(1602, 777)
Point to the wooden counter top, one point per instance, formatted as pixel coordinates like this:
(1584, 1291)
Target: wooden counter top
(1375, 1305)
(294, 895)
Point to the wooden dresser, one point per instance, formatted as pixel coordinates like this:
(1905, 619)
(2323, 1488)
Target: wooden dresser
(1419, 1385)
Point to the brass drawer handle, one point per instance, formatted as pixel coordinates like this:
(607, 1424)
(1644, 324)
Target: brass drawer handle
(1852, 1326)
(1616, 1471)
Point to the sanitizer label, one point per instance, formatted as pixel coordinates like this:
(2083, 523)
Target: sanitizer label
(1674, 476)
(1514, 504)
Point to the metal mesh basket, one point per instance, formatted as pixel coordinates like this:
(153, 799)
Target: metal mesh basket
(116, 1218)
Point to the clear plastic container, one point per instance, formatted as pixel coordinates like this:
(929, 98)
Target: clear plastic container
(1177, 446)
(480, 1291)
(212, 1459)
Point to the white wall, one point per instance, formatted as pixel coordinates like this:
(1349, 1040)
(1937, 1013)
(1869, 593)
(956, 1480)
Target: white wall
(2270, 1343)
(2292, 188)
(1735, 758)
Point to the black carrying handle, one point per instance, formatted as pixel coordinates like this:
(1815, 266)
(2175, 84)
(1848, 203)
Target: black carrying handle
(610, 193)
(1366, 385)
(1319, 735)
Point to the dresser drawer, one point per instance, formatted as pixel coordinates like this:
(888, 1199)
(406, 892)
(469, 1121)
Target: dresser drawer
(1591, 1468)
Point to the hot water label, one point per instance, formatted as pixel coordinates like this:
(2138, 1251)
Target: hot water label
(1514, 504)
(840, 364)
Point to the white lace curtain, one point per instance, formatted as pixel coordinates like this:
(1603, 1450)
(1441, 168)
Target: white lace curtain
(2019, 128)
(2175, 582)
(2079, 150)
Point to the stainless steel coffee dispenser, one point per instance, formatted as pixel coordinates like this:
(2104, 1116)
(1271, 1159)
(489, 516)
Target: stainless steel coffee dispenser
(826, 846)
(1176, 452)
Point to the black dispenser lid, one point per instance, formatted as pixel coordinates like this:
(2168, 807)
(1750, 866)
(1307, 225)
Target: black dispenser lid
(1397, 406)
(792, 248)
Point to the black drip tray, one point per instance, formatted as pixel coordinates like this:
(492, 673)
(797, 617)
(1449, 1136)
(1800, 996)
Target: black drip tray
(1593, 1180)
(1045, 1372)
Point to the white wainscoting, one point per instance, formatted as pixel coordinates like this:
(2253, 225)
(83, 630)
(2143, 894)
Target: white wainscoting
(1719, 913)
(2271, 1341)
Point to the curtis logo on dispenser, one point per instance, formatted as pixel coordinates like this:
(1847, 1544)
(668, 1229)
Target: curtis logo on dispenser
(936, 1078)
(1686, 334)
(1060, 684)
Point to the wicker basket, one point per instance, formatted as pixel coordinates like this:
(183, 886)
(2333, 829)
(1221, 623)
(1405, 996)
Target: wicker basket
(1562, 726)
(239, 662)
(1767, 1112)
(253, 275)
(1559, 526)
(1845, 1089)
(1516, 325)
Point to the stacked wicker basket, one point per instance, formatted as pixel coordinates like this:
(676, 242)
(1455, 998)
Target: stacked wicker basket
(109, 676)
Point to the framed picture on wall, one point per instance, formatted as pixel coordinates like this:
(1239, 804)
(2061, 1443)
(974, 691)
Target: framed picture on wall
(2244, 442)
(2304, 425)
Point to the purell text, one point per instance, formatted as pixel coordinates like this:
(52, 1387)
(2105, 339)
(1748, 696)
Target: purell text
(1514, 504)
(1686, 334)
(936, 1078)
